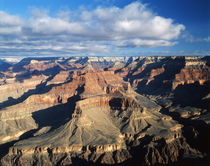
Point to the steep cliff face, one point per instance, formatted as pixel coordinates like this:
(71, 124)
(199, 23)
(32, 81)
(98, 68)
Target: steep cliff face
(191, 75)
(91, 111)
(49, 96)
(13, 89)
(153, 72)
(100, 125)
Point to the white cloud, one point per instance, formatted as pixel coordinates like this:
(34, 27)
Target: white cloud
(143, 43)
(54, 26)
(9, 20)
(192, 39)
(92, 31)
(10, 24)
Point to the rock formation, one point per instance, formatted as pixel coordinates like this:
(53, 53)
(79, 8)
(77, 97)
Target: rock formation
(93, 110)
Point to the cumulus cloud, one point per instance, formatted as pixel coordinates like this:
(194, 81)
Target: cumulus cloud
(98, 30)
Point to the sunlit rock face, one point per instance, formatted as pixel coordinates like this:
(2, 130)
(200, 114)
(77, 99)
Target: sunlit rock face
(105, 110)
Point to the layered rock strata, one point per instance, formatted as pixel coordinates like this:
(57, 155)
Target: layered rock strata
(127, 111)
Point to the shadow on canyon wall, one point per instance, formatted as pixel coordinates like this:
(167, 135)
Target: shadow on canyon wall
(18, 67)
(192, 95)
(48, 72)
(40, 89)
(4, 66)
(54, 116)
(162, 83)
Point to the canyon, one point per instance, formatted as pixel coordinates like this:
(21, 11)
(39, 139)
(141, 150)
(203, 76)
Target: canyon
(105, 111)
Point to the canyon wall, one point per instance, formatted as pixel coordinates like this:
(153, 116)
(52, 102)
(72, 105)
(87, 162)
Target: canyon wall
(105, 110)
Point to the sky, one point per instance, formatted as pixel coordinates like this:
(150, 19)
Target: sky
(104, 27)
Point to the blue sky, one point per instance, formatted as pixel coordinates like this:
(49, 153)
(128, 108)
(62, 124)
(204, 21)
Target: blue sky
(104, 27)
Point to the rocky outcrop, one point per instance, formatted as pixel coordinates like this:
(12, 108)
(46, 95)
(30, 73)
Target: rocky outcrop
(191, 75)
(13, 89)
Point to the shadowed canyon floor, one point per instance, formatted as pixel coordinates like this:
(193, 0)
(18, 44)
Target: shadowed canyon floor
(105, 111)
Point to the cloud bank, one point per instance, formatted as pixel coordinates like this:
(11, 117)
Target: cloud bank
(101, 30)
